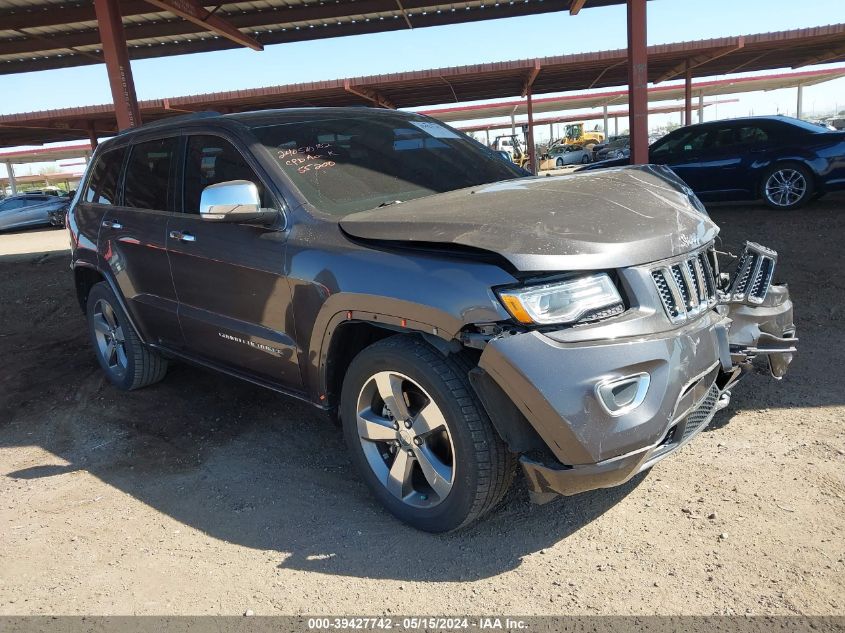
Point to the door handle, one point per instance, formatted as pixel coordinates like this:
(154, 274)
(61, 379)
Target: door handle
(111, 224)
(182, 237)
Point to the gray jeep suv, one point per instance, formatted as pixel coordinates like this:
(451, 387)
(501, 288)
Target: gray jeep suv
(457, 316)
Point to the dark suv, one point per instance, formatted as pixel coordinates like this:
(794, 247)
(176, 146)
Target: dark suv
(457, 316)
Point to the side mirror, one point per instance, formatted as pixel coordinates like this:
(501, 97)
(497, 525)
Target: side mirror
(234, 201)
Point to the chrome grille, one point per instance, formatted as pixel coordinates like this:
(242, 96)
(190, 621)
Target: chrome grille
(753, 276)
(686, 286)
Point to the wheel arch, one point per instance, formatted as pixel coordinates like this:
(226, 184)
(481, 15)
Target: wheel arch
(85, 277)
(348, 323)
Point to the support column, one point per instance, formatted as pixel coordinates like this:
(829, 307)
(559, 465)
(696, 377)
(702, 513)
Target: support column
(92, 136)
(799, 107)
(638, 81)
(551, 132)
(606, 129)
(616, 126)
(529, 138)
(687, 120)
(701, 108)
(487, 134)
(513, 124)
(10, 169)
(117, 63)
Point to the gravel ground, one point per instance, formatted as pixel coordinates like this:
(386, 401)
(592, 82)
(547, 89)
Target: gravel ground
(205, 495)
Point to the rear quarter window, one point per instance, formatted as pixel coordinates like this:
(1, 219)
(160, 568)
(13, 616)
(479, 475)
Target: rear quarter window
(102, 185)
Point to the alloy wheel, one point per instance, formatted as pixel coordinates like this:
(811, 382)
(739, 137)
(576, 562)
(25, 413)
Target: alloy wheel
(111, 342)
(785, 187)
(406, 439)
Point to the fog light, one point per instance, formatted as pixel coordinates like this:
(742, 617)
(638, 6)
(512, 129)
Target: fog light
(621, 395)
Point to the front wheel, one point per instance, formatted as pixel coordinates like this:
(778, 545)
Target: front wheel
(787, 186)
(420, 438)
(559, 162)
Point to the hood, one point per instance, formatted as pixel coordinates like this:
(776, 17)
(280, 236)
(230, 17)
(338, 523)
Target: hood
(605, 219)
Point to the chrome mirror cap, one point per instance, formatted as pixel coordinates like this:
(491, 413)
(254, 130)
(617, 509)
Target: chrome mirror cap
(234, 201)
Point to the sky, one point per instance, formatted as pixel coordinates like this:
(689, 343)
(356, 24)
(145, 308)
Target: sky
(480, 42)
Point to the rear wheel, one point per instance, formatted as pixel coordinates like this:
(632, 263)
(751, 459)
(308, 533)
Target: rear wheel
(559, 162)
(127, 363)
(787, 186)
(421, 440)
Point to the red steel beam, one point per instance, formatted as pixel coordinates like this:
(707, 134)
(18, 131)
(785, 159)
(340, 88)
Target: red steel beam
(368, 94)
(92, 135)
(122, 85)
(576, 6)
(688, 95)
(638, 81)
(529, 138)
(532, 76)
(526, 92)
(194, 12)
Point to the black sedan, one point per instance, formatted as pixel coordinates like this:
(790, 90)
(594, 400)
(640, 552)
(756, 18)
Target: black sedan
(782, 160)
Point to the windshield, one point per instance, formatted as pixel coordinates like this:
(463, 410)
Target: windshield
(347, 164)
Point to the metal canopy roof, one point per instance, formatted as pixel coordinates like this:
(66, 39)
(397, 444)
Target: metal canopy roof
(42, 34)
(590, 116)
(45, 154)
(460, 84)
(620, 97)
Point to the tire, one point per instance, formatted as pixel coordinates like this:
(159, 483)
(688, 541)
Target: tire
(787, 186)
(127, 363)
(476, 466)
(559, 162)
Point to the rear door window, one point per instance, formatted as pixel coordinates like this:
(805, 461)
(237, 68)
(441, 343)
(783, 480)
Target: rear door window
(751, 134)
(17, 203)
(149, 181)
(102, 185)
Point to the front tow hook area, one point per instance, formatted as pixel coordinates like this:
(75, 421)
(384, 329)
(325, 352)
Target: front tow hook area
(764, 330)
(778, 350)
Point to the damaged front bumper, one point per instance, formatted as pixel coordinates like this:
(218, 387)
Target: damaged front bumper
(609, 409)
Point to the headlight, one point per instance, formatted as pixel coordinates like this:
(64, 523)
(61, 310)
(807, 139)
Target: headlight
(560, 302)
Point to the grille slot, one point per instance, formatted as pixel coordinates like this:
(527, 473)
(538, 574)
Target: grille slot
(686, 287)
(754, 271)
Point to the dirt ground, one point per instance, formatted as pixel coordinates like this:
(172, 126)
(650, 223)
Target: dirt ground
(205, 495)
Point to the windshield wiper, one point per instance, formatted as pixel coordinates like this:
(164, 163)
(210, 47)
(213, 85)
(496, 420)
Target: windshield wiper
(388, 203)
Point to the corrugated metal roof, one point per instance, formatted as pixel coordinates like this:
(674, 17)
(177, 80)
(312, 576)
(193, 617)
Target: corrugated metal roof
(501, 80)
(42, 34)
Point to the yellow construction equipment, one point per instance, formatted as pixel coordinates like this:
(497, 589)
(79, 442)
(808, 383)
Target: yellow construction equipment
(511, 144)
(574, 134)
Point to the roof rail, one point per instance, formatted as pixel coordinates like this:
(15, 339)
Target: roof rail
(205, 114)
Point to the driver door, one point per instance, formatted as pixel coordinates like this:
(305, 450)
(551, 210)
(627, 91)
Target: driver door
(234, 299)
